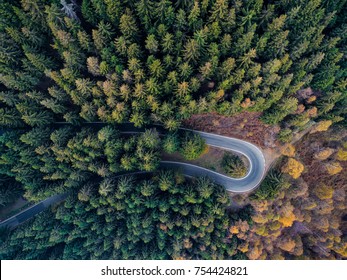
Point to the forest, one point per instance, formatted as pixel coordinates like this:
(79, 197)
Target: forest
(66, 65)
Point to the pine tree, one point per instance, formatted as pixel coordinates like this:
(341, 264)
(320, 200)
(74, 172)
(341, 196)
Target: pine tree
(144, 9)
(10, 117)
(37, 118)
(152, 44)
(128, 25)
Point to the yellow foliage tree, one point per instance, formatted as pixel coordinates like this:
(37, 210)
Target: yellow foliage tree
(187, 243)
(234, 230)
(275, 226)
(220, 94)
(287, 244)
(333, 168)
(324, 154)
(243, 247)
(243, 226)
(322, 126)
(288, 150)
(277, 256)
(293, 167)
(341, 155)
(312, 112)
(311, 99)
(341, 249)
(260, 205)
(262, 230)
(323, 192)
(309, 205)
(287, 220)
(254, 253)
(259, 219)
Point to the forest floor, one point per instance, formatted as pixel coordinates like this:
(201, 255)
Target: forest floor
(246, 126)
(210, 159)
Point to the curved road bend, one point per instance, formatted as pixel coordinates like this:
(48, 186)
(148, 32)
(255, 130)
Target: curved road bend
(251, 152)
(249, 182)
(254, 155)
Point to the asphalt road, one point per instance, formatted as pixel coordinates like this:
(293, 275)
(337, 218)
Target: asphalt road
(251, 152)
(28, 213)
(249, 182)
